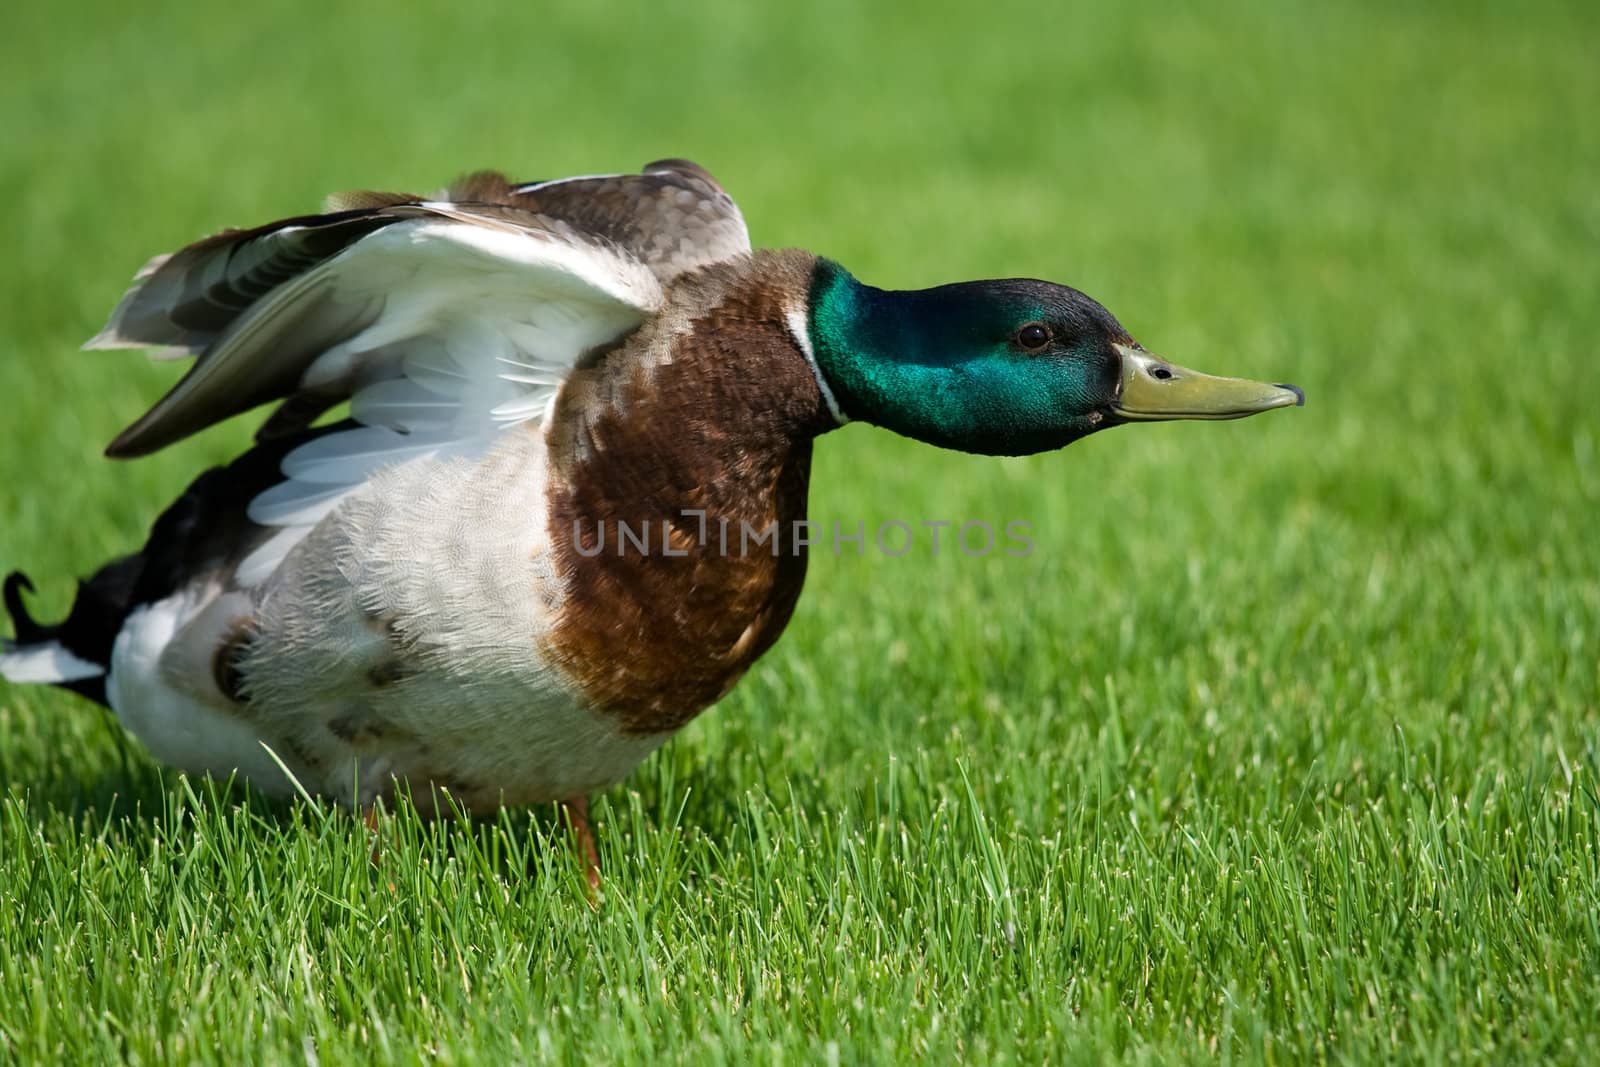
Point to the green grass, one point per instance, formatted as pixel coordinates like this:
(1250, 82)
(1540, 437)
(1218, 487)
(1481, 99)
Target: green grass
(1281, 747)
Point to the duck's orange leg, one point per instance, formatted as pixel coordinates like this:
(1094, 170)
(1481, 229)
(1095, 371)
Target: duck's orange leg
(577, 812)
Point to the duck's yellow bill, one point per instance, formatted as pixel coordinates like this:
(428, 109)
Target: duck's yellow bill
(1154, 389)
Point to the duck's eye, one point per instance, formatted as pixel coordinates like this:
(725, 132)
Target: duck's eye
(1033, 336)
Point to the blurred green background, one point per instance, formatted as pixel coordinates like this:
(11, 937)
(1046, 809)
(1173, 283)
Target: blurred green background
(1282, 742)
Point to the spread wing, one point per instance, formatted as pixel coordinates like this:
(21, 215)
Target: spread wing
(441, 321)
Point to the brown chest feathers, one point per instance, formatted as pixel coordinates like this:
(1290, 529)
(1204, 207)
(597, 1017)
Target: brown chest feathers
(680, 464)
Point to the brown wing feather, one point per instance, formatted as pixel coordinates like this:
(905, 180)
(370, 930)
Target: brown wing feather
(673, 216)
(481, 187)
(362, 199)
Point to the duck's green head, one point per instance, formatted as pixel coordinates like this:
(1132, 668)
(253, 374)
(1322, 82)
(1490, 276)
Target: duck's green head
(1002, 367)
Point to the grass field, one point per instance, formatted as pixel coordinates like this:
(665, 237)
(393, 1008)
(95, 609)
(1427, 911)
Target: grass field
(1281, 747)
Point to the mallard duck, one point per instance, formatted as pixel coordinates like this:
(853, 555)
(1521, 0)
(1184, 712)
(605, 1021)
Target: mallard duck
(411, 594)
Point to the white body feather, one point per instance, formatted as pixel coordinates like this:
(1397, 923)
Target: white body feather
(401, 638)
(185, 722)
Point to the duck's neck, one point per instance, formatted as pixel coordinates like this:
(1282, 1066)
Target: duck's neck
(883, 359)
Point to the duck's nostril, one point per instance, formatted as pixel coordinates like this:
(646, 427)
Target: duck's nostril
(1160, 374)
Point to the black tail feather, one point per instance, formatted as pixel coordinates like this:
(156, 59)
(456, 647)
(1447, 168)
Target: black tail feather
(90, 628)
(27, 628)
